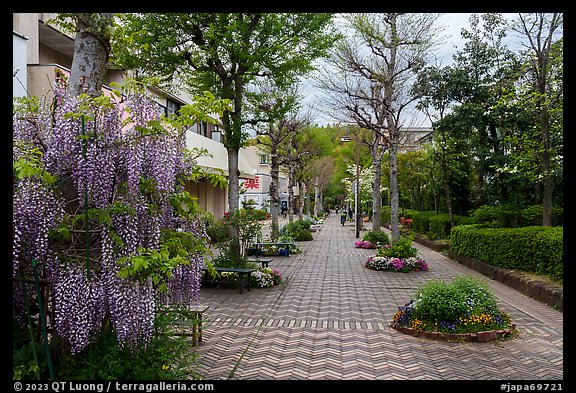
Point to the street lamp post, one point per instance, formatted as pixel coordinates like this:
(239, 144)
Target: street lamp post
(357, 223)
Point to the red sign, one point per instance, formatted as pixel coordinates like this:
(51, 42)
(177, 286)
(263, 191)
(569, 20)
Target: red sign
(252, 183)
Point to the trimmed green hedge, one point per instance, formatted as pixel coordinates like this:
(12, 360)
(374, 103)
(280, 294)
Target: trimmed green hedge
(535, 249)
(436, 226)
(510, 216)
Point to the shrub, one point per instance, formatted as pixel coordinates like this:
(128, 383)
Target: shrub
(509, 216)
(378, 237)
(385, 214)
(532, 249)
(292, 229)
(304, 235)
(166, 358)
(402, 249)
(464, 305)
(437, 300)
(421, 221)
(217, 231)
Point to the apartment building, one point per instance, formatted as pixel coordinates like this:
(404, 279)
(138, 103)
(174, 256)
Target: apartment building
(41, 53)
(258, 189)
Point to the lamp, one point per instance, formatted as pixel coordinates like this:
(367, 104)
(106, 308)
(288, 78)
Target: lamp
(357, 186)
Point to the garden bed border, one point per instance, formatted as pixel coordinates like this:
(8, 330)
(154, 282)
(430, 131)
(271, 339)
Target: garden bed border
(485, 336)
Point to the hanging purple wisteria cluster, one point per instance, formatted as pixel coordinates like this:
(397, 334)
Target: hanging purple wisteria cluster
(92, 184)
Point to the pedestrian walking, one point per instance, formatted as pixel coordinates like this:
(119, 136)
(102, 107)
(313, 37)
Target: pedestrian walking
(343, 216)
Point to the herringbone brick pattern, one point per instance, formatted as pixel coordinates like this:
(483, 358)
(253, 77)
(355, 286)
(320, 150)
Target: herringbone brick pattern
(330, 322)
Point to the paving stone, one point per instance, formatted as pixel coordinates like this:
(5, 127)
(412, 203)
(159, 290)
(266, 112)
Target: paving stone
(330, 322)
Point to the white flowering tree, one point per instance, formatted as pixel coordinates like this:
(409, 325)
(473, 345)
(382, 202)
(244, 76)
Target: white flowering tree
(366, 177)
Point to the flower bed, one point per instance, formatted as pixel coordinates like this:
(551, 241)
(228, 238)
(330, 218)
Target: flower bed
(463, 309)
(395, 264)
(364, 244)
(266, 277)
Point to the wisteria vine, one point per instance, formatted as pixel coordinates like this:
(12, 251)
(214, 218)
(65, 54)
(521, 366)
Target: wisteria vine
(126, 169)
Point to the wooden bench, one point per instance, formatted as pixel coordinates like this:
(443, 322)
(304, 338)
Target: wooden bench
(263, 261)
(281, 246)
(191, 317)
(243, 276)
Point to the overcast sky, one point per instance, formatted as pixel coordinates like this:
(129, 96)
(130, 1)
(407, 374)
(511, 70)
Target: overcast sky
(453, 24)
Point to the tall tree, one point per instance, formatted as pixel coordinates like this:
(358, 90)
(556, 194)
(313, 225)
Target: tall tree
(370, 81)
(224, 53)
(541, 32)
(91, 50)
(279, 109)
(483, 72)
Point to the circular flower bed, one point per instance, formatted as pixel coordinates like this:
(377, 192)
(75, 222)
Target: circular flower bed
(364, 244)
(463, 309)
(395, 264)
(266, 277)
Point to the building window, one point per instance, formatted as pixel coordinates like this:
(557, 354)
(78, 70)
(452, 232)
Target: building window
(172, 107)
(201, 128)
(264, 159)
(217, 134)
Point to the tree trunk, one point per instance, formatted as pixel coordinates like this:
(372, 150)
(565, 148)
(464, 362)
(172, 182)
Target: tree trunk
(316, 195)
(447, 186)
(233, 200)
(91, 50)
(394, 197)
(376, 185)
(274, 197)
(290, 194)
(302, 198)
(547, 180)
(307, 200)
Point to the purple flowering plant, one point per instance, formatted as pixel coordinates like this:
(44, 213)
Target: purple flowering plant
(99, 202)
(396, 264)
(364, 244)
(398, 257)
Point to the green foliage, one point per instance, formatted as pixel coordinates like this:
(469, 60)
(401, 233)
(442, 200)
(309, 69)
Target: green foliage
(292, 229)
(167, 357)
(421, 221)
(401, 249)
(436, 226)
(28, 359)
(185, 205)
(304, 235)
(217, 231)
(453, 301)
(247, 221)
(437, 300)
(511, 216)
(534, 249)
(30, 165)
(378, 237)
(385, 213)
(157, 265)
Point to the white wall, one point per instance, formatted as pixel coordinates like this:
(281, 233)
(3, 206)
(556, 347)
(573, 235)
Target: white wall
(19, 79)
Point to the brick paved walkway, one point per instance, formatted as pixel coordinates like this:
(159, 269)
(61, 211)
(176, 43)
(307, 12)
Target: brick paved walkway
(330, 322)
